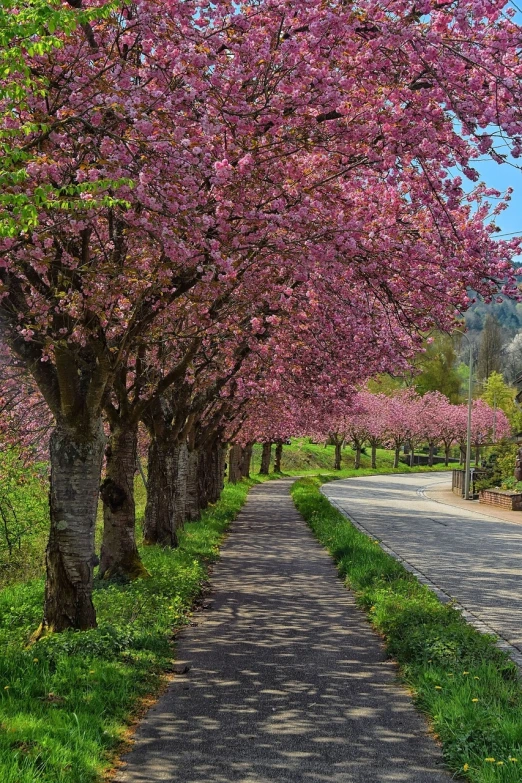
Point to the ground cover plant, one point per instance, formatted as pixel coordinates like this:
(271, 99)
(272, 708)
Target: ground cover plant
(24, 517)
(65, 701)
(468, 687)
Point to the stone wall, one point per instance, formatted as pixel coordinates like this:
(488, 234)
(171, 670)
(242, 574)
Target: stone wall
(509, 500)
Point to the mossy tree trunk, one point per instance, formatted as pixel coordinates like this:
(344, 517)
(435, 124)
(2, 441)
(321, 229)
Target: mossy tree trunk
(119, 554)
(76, 460)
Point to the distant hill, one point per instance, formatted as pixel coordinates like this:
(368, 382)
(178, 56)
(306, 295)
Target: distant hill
(508, 313)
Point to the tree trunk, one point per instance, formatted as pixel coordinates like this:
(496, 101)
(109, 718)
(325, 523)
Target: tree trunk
(193, 506)
(430, 454)
(119, 554)
(246, 458)
(73, 498)
(357, 463)
(212, 472)
(217, 471)
(446, 454)
(412, 457)
(337, 457)
(396, 456)
(203, 473)
(235, 456)
(374, 456)
(166, 492)
(477, 456)
(266, 456)
(278, 456)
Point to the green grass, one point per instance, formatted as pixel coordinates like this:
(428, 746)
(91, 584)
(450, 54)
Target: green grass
(306, 458)
(468, 687)
(65, 701)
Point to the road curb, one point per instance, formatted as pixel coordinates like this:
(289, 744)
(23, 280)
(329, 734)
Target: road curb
(514, 653)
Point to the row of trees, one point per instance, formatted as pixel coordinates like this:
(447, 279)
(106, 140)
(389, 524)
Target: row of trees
(376, 420)
(231, 204)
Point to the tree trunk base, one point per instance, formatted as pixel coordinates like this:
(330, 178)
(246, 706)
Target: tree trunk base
(127, 570)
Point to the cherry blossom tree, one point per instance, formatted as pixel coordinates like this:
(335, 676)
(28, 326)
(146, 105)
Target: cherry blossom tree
(219, 140)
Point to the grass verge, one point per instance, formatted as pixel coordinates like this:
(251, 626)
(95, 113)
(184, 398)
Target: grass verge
(66, 702)
(468, 687)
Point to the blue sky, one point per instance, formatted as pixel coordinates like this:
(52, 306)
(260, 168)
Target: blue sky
(502, 177)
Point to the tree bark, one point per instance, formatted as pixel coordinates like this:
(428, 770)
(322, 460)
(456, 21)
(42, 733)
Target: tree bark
(166, 492)
(374, 456)
(430, 454)
(76, 461)
(217, 471)
(119, 554)
(246, 458)
(446, 454)
(193, 506)
(278, 456)
(235, 457)
(396, 456)
(412, 457)
(357, 463)
(337, 457)
(266, 456)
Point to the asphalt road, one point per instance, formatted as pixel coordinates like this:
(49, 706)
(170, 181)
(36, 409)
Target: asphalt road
(286, 680)
(473, 558)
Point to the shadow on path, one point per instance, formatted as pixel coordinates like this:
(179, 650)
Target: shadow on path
(287, 681)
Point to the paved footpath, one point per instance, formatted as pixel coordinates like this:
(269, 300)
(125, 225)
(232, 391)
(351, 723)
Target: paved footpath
(472, 553)
(287, 680)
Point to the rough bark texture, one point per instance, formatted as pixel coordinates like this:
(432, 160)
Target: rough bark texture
(235, 458)
(412, 457)
(180, 486)
(211, 472)
(75, 480)
(337, 458)
(278, 457)
(396, 456)
(374, 456)
(166, 492)
(446, 455)
(193, 508)
(357, 463)
(266, 455)
(119, 554)
(430, 454)
(245, 461)
(217, 471)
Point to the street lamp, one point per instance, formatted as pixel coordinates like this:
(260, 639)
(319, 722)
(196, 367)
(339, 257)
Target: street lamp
(468, 433)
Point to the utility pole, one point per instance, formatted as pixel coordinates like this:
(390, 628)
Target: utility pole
(467, 475)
